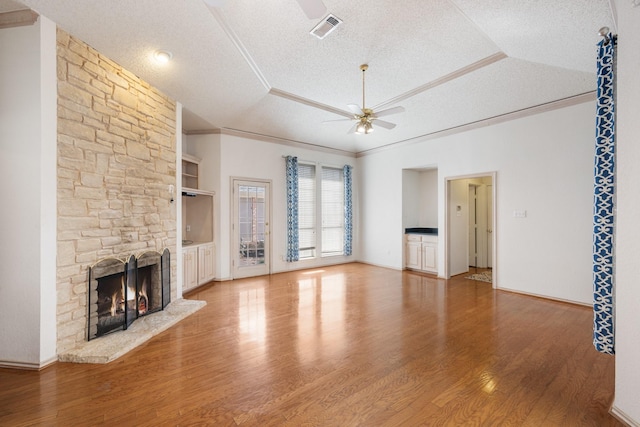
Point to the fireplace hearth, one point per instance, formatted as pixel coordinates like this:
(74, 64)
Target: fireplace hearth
(122, 291)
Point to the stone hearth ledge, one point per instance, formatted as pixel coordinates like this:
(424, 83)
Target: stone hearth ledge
(110, 347)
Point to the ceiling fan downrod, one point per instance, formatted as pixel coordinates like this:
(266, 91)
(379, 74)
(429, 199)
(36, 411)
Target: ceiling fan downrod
(363, 67)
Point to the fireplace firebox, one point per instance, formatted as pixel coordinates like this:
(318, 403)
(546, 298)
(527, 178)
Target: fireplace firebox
(122, 291)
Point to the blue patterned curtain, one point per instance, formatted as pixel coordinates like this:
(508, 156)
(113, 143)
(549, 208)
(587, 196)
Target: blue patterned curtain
(293, 253)
(348, 211)
(604, 190)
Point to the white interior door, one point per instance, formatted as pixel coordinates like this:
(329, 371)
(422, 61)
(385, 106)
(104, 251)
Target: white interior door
(473, 227)
(251, 240)
(458, 226)
(490, 222)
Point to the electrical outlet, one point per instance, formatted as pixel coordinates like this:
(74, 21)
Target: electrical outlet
(188, 228)
(519, 214)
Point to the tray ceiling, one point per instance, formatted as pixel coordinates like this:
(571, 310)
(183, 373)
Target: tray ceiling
(252, 66)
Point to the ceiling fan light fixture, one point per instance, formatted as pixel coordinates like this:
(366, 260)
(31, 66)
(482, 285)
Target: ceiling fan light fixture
(364, 128)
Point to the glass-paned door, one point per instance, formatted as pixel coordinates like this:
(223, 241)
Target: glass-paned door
(251, 202)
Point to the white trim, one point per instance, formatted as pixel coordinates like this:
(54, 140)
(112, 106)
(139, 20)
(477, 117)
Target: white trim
(239, 45)
(623, 417)
(499, 56)
(18, 18)
(309, 102)
(614, 15)
(445, 236)
(283, 141)
(233, 250)
(28, 365)
(525, 112)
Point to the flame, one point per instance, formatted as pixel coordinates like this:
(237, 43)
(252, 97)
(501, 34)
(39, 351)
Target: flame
(117, 300)
(143, 295)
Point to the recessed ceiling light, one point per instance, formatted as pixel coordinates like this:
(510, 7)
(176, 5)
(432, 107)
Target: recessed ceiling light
(162, 56)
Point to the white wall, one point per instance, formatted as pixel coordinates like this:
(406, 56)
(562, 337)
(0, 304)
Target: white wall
(28, 169)
(238, 157)
(429, 198)
(627, 297)
(411, 193)
(544, 165)
(420, 198)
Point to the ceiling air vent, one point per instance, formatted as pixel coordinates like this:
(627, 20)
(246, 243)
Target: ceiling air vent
(324, 27)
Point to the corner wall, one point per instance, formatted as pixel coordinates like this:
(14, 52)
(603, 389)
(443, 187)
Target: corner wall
(543, 164)
(225, 157)
(116, 160)
(627, 250)
(27, 169)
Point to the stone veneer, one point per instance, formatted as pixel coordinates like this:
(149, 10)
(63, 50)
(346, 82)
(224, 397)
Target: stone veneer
(116, 161)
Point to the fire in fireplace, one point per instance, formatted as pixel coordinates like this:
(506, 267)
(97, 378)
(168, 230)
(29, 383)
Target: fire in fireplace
(121, 291)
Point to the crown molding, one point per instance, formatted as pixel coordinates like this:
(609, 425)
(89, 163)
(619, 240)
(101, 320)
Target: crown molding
(501, 118)
(18, 18)
(309, 102)
(284, 141)
(499, 56)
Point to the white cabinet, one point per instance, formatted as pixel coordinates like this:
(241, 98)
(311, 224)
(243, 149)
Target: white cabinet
(198, 265)
(421, 252)
(206, 264)
(430, 256)
(189, 268)
(413, 255)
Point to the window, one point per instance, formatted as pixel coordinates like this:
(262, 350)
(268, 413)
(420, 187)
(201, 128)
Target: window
(332, 211)
(320, 197)
(307, 210)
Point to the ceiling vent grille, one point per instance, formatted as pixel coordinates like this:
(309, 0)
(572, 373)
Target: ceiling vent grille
(324, 27)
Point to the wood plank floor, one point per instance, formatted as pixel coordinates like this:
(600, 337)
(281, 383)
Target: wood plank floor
(350, 345)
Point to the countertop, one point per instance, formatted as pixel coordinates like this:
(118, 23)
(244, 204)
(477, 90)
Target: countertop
(421, 230)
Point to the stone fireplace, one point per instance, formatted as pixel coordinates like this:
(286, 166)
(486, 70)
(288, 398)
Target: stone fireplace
(116, 163)
(122, 291)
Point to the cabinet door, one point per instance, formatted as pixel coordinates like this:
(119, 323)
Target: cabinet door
(190, 268)
(413, 255)
(429, 257)
(206, 264)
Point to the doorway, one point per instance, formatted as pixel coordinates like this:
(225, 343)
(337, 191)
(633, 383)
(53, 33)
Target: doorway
(470, 223)
(480, 230)
(251, 244)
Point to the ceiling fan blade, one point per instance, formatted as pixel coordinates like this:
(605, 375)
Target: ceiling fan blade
(390, 111)
(353, 128)
(382, 123)
(314, 9)
(337, 120)
(355, 109)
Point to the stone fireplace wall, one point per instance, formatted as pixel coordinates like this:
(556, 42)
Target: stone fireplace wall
(116, 161)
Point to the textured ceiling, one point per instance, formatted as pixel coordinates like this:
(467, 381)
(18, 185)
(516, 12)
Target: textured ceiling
(251, 66)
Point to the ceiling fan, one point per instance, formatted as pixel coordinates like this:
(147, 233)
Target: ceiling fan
(364, 117)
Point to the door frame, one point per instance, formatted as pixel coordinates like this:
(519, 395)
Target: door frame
(494, 222)
(233, 223)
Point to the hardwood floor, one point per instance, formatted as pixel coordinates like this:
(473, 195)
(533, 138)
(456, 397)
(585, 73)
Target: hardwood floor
(339, 346)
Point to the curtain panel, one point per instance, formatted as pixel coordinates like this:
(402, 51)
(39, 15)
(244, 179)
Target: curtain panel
(293, 252)
(348, 211)
(604, 200)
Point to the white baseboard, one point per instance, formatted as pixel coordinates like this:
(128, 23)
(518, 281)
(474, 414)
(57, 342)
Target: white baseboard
(624, 418)
(27, 365)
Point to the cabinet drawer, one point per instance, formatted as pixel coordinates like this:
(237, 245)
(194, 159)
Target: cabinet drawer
(429, 238)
